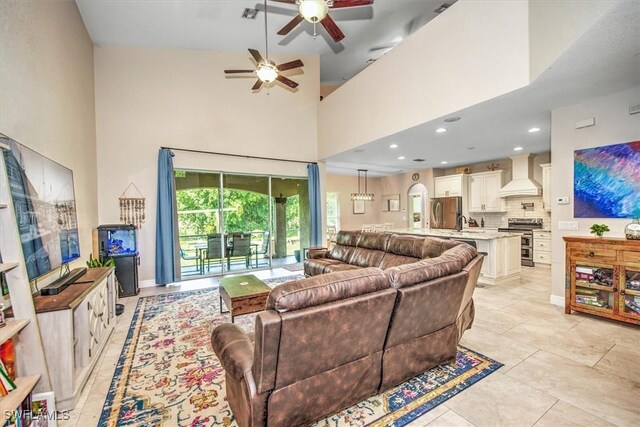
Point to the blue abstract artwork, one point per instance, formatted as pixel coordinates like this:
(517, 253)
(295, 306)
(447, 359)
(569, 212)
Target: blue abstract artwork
(606, 181)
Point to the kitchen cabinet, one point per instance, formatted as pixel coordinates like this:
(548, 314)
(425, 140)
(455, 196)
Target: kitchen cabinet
(603, 277)
(502, 262)
(546, 186)
(451, 185)
(484, 192)
(542, 247)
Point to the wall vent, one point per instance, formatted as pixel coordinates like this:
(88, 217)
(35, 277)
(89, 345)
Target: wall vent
(250, 13)
(418, 160)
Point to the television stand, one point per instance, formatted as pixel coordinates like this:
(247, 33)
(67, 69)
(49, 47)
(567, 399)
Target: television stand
(59, 285)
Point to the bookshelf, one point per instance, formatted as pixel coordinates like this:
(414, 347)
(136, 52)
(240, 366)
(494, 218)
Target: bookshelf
(24, 386)
(12, 328)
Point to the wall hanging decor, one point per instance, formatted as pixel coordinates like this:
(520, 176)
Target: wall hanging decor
(132, 208)
(606, 181)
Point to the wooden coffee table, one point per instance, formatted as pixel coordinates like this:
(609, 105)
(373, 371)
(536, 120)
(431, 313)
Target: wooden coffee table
(243, 295)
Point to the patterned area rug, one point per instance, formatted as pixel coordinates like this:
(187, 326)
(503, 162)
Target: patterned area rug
(168, 375)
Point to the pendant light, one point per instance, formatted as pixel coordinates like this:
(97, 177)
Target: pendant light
(366, 196)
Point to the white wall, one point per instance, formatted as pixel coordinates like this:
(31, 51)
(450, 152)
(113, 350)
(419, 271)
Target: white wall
(613, 125)
(453, 62)
(47, 94)
(147, 98)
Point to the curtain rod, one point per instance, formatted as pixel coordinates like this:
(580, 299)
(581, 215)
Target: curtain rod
(189, 150)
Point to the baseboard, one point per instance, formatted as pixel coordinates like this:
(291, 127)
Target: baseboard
(557, 300)
(147, 283)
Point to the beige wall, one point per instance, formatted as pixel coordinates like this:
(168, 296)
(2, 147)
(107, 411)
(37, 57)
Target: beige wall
(613, 125)
(326, 90)
(47, 93)
(387, 185)
(147, 98)
(437, 70)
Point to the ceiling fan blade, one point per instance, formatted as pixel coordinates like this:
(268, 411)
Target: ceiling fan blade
(287, 81)
(238, 71)
(258, 85)
(332, 28)
(291, 25)
(290, 65)
(256, 55)
(349, 3)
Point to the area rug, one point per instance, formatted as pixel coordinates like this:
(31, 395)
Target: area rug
(168, 375)
(298, 266)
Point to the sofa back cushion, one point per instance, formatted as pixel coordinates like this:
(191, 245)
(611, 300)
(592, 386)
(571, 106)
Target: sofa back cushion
(434, 247)
(409, 246)
(370, 249)
(346, 242)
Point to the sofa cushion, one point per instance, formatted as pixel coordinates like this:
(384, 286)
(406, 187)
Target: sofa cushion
(422, 271)
(346, 242)
(463, 252)
(410, 246)
(332, 268)
(326, 288)
(392, 260)
(316, 266)
(370, 249)
(434, 247)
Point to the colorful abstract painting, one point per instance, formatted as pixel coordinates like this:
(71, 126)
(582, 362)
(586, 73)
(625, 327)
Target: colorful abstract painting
(606, 181)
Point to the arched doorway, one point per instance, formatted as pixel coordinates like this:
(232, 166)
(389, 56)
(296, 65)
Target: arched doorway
(418, 199)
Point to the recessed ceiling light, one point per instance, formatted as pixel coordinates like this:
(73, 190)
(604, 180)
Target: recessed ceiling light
(534, 130)
(518, 149)
(393, 146)
(444, 162)
(452, 119)
(401, 158)
(441, 130)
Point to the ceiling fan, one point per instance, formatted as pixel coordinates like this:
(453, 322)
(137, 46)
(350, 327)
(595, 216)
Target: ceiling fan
(315, 11)
(267, 70)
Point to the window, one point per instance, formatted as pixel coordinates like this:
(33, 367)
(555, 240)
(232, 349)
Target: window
(333, 210)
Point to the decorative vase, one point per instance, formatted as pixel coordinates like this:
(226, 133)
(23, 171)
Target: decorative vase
(632, 230)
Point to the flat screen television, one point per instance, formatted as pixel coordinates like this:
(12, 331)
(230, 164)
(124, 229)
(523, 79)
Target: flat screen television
(45, 205)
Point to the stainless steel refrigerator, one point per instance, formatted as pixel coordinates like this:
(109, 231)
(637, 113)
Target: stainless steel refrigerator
(445, 211)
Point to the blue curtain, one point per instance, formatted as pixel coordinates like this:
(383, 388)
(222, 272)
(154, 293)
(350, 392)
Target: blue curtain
(167, 243)
(315, 205)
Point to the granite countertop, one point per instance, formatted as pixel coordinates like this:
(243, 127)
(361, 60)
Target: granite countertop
(478, 234)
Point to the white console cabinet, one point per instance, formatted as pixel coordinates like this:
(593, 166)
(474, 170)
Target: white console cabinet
(75, 327)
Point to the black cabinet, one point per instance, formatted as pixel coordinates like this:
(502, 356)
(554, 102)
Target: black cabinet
(127, 274)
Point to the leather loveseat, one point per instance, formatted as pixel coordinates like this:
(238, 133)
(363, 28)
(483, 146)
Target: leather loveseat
(327, 342)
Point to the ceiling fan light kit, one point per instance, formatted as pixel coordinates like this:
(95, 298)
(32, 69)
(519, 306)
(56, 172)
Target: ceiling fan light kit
(267, 70)
(314, 10)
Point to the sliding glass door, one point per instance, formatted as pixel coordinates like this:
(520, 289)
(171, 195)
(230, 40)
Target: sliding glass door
(240, 222)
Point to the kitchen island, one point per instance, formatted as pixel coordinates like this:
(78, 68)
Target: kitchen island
(502, 262)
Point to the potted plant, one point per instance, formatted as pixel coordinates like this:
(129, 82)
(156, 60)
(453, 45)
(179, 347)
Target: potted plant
(599, 229)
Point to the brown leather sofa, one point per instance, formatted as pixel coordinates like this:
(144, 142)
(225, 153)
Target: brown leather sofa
(330, 341)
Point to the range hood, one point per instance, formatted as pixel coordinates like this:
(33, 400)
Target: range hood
(522, 183)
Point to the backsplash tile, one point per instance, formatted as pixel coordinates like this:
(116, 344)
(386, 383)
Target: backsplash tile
(514, 210)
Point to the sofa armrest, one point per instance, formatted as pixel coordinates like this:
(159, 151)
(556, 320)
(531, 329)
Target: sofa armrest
(318, 253)
(234, 350)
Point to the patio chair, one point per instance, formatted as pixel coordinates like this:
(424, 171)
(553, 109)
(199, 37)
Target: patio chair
(195, 257)
(332, 233)
(240, 248)
(214, 251)
(263, 249)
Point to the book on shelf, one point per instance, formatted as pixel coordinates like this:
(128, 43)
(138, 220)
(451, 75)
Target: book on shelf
(6, 383)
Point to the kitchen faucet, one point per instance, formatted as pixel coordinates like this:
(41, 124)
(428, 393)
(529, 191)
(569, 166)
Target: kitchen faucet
(459, 222)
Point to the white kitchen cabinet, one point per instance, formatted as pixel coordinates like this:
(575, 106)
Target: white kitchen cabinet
(546, 186)
(450, 185)
(542, 247)
(484, 192)
(502, 262)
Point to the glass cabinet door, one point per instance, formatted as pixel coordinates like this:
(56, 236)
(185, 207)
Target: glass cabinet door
(629, 304)
(594, 287)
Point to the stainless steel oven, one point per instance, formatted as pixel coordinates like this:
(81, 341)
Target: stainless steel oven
(524, 227)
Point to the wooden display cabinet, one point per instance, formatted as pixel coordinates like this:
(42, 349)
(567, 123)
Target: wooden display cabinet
(603, 277)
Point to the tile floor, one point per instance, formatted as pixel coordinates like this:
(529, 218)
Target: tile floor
(559, 370)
